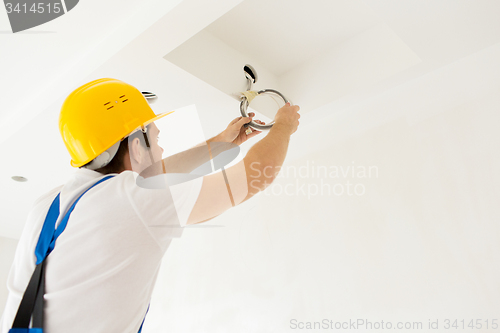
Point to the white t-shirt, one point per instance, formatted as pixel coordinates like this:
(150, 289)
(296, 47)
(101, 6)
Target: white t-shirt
(101, 273)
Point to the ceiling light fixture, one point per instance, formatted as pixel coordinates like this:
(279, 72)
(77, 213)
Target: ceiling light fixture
(19, 179)
(249, 95)
(150, 97)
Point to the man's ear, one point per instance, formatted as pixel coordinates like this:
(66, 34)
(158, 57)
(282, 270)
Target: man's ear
(135, 152)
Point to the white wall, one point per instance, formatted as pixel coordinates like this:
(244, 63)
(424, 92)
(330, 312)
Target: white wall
(421, 243)
(7, 251)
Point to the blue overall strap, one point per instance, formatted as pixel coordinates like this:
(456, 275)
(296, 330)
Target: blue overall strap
(49, 233)
(140, 328)
(32, 303)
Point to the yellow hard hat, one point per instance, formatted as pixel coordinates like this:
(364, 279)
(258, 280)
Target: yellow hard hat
(99, 114)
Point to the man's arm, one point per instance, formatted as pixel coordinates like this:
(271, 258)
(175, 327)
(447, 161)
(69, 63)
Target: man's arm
(233, 136)
(188, 160)
(253, 174)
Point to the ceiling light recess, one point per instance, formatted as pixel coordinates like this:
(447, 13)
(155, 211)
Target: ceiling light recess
(20, 179)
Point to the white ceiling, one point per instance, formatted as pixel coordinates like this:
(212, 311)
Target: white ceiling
(43, 63)
(327, 50)
(38, 68)
(283, 34)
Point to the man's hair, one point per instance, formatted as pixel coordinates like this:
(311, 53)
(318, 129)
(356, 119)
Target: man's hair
(117, 164)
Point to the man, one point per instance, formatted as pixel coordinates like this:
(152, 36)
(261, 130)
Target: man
(101, 273)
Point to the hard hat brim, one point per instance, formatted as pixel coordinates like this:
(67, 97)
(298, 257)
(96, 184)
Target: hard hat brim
(161, 115)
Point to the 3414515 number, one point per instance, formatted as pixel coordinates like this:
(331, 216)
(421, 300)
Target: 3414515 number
(35, 8)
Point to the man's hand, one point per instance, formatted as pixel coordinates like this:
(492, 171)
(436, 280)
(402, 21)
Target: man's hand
(287, 118)
(235, 131)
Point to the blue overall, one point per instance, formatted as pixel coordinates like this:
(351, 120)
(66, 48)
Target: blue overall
(48, 237)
